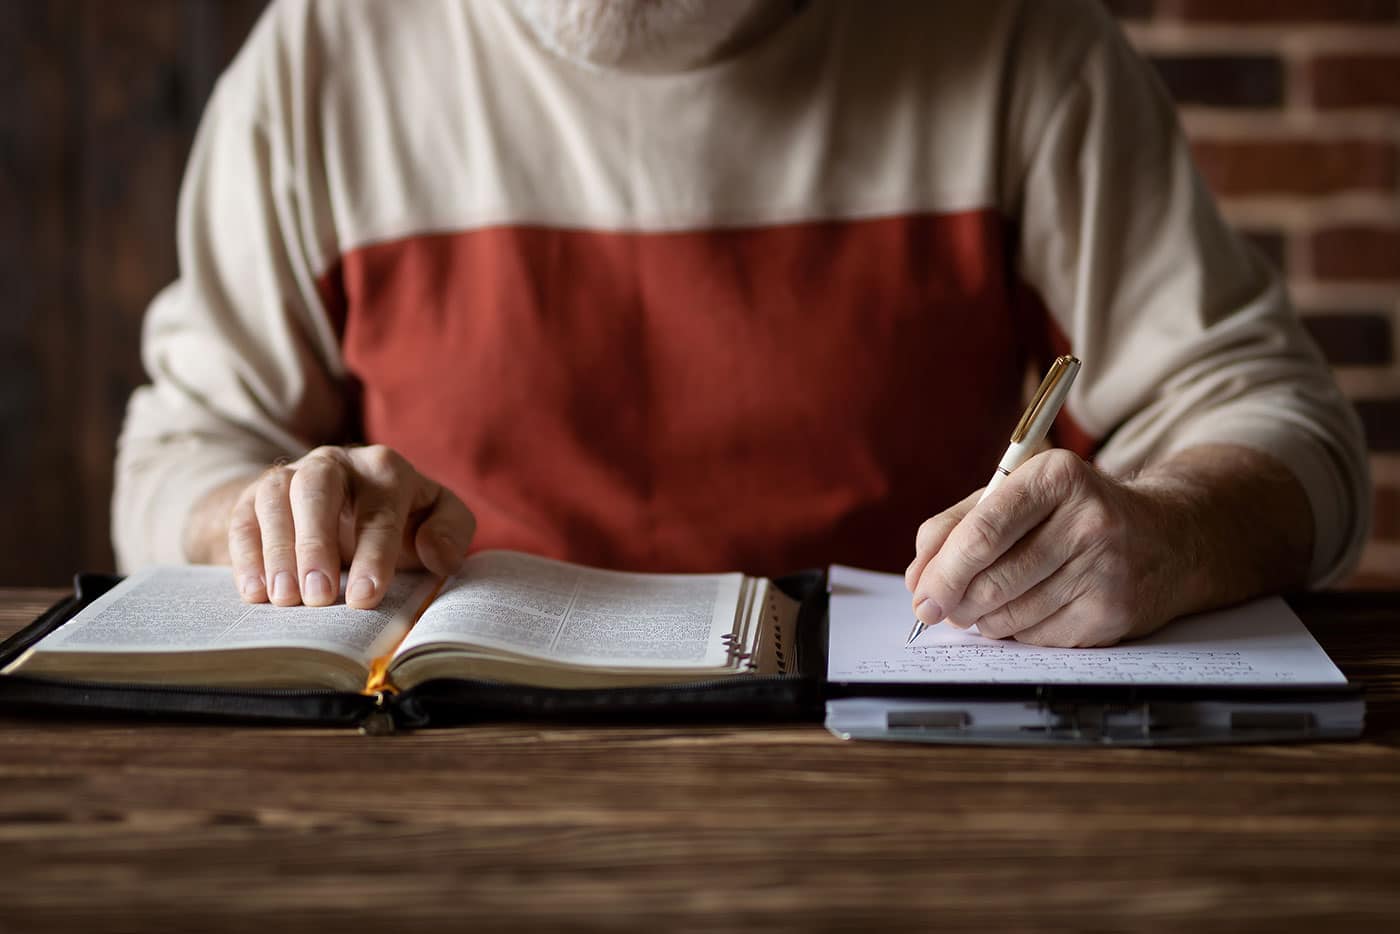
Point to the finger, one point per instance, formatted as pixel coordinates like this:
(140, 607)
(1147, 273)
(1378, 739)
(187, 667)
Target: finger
(245, 548)
(931, 535)
(1037, 604)
(1088, 620)
(1042, 552)
(993, 526)
(317, 494)
(1065, 629)
(442, 537)
(381, 511)
(273, 508)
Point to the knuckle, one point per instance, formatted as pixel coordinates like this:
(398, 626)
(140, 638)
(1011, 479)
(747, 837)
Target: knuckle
(1095, 614)
(1005, 621)
(375, 557)
(276, 479)
(314, 494)
(316, 470)
(1073, 589)
(243, 529)
(382, 460)
(981, 537)
(925, 530)
(1095, 524)
(279, 555)
(380, 519)
(325, 454)
(992, 588)
(931, 531)
(1062, 472)
(316, 556)
(1113, 574)
(314, 545)
(1019, 496)
(993, 626)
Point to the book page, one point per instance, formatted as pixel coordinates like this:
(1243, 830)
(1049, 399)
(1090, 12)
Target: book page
(569, 613)
(192, 609)
(1259, 643)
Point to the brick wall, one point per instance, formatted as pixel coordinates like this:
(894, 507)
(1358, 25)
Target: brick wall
(1293, 110)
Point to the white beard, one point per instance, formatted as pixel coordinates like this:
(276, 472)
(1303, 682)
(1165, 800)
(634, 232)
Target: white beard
(642, 34)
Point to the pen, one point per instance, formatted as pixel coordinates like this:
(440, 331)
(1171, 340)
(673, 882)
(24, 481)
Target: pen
(1030, 431)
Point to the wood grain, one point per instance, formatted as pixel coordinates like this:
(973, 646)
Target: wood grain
(37, 110)
(121, 826)
(99, 103)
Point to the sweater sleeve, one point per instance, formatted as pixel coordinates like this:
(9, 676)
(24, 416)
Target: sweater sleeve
(1186, 333)
(241, 356)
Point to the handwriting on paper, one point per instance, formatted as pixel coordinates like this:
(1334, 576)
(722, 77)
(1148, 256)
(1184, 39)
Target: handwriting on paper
(1257, 643)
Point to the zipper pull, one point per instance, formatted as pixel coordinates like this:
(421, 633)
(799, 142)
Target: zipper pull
(380, 720)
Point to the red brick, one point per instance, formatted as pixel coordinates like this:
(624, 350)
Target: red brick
(1223, 80)
(1351, 253)
(1381, 420)
(1242, 168)
(1385, 516)
(1272, 243)
(1284, 11)
(1352, 338)
(1340, 81)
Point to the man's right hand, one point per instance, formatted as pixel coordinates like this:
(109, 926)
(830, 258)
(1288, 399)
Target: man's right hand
(292, 529)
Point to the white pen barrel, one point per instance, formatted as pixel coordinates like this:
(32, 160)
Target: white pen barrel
(1016, 455)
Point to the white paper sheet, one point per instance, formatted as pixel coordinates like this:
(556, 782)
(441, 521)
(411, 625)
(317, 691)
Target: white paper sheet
(1259, 643)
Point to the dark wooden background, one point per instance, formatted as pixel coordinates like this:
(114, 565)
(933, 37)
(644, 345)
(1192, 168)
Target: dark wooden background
(99, 101)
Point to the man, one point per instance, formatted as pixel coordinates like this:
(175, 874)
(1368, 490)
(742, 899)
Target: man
(683, 285)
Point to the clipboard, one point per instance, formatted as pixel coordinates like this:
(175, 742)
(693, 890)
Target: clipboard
(1095, 715)
(1250, 674)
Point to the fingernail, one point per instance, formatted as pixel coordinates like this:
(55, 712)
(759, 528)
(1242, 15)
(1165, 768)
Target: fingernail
(284, 586)
(928, 612)
(317, 588)
(361, 589)
(250, 585)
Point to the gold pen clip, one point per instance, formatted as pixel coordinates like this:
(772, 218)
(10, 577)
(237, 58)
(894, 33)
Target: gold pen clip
(1058, 369)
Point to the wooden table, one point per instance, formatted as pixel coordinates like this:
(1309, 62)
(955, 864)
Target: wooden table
(118, 826)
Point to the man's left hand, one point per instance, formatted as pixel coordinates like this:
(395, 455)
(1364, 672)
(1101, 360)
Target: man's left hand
(1060, 554)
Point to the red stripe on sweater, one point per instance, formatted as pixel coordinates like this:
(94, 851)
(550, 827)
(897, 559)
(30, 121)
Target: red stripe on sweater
(758, 399)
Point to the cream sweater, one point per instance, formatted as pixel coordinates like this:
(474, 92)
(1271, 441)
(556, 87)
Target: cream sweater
(766, 313)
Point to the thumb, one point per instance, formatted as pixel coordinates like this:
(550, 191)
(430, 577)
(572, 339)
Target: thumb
(444, 535)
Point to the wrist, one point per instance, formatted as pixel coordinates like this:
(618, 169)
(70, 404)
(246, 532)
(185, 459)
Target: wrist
(1181, 523)
(1236, 521)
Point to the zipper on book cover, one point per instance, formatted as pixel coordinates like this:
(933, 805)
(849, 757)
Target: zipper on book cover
(135, 687)
(380, 720)
(228, 701)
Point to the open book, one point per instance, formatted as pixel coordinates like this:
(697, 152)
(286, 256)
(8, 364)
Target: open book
(506, 617)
